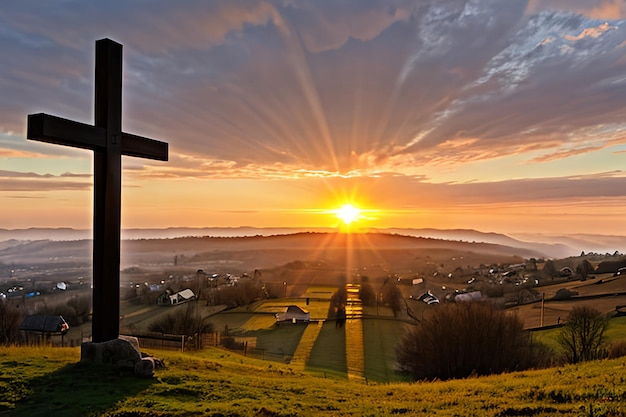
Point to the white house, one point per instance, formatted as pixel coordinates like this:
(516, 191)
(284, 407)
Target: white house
(468, 296)
(169, 299)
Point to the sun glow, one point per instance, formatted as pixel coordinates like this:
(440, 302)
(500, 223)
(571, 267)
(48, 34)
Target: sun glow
(348, 213)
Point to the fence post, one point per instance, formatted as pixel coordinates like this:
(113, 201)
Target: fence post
(182, 343)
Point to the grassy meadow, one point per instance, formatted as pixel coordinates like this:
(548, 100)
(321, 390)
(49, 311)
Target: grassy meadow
(213, 382)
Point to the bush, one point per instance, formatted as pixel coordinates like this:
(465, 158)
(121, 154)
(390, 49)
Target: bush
(459, 340)
(617, 349)
(75, 311)
(244, 293)
(184, 320)
(338, 301)
(367, 294)
(582, 336)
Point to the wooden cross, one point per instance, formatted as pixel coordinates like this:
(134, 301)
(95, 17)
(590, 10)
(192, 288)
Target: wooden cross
(108, 143)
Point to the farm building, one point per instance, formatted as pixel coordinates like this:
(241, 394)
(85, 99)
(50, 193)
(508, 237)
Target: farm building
(428, 298)
(45, 324)
(468, 296)
(293, 313)
(43, 327)
(169, 298)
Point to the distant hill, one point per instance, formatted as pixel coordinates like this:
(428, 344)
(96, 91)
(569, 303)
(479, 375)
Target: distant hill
(167, 233)
(338, 249)
(552, 246)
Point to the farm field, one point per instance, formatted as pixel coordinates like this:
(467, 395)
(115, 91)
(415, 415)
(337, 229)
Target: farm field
(555, 311)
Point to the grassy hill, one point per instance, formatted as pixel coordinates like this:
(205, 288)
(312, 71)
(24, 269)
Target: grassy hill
(52, 382)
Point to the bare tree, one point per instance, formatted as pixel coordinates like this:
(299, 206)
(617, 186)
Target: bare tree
(582, 336)
(392, 296)
(10, 319)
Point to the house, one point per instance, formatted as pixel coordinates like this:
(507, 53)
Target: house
(45, 324)
(43, 327)
(428, 298)
(468, 296)
(169, 298)
(293, 314)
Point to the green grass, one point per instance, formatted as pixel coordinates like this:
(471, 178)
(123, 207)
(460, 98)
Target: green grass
(328, 355)
(615, 331)
(380, 338)
(278, 342)
(50, 382)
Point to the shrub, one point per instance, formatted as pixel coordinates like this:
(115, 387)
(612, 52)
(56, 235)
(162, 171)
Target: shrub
(617, 349)
(245, 292)
(338, 301)
(367, 294)
(75, 310)
(459, 340)
(183, 321)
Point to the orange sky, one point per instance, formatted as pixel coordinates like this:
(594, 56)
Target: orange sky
(475, 116)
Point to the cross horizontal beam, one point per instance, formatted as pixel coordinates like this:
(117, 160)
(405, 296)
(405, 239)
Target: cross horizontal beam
(52, 129)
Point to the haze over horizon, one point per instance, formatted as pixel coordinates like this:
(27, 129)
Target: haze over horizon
(500, 116)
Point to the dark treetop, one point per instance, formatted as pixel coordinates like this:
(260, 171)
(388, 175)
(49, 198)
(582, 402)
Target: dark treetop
(108, 143)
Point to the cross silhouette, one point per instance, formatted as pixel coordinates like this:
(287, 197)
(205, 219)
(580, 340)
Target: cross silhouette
(108, 143)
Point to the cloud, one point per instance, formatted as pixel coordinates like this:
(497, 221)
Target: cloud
(592, 32)
(279, 88)
(328, 25)
(14, 153)
(11, 181)
(603, 9)
(420, 194)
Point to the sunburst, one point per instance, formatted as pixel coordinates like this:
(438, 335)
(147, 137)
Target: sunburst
(348, 213)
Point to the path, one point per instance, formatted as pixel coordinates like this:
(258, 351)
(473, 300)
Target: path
(355, 357)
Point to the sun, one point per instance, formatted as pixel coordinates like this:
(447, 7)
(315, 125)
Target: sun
(348, 213)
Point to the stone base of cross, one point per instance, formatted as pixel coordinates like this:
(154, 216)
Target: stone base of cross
(106, 139)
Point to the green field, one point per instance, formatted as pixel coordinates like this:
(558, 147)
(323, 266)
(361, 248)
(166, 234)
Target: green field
(615, 331)
(328, 355)
(51, 382)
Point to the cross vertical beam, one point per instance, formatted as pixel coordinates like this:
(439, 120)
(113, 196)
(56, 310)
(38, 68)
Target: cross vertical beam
(107, 193)
(108, 143)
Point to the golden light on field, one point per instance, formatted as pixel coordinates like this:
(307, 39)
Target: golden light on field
(348, 214)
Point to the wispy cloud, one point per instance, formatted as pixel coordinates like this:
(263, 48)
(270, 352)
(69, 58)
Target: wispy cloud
(31, 181)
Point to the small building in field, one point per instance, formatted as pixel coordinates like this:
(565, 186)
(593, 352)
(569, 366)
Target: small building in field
(43, 327)
(468, 296)
(169, 298)
(428, 298)
(293, 314)
(41, 323)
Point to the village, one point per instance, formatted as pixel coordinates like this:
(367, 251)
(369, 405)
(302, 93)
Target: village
(286, 312)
